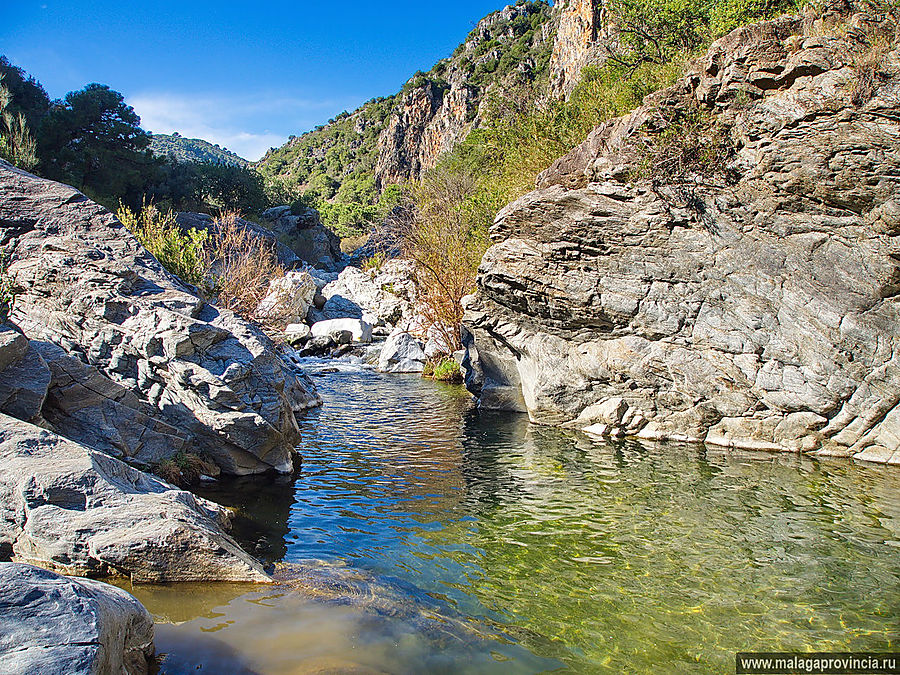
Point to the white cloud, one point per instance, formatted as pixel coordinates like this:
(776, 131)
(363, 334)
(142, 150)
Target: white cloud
(232, 123)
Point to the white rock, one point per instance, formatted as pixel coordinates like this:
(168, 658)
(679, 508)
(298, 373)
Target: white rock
(402, 353)
(288, 297)
(359, 329)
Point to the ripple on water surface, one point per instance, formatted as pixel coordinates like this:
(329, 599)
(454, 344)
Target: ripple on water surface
(556, 551)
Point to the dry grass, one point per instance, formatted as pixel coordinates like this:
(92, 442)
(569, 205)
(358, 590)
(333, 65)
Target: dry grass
(241, 266)
(445, 238)
(185, 468)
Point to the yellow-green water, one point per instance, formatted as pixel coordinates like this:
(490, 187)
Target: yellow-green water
(480, 543)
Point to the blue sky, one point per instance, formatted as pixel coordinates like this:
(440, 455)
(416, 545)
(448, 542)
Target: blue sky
(245, 75)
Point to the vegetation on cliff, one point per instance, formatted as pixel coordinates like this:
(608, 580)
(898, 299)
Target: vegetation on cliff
(334, 167)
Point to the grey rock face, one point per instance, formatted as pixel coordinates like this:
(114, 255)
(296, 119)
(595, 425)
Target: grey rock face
(72, 509)
(54, 625)
(85, 406)
(402, 353)
(88, 286)
(306, 237)
(24, 377)
(759, 311)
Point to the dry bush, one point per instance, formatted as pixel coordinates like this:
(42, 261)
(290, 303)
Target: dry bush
(241, 266)
(350, 244)
(444, 233)
(185, 468)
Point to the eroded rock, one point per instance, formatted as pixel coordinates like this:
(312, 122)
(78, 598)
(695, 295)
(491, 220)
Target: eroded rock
(753, 305)
(78, 511)
(55, 625)
(86, 285)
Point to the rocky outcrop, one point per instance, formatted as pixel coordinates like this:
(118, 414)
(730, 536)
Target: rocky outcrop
(86, 285)
(24, 376)
(203, 222)
(306, 237)
(583, 35)
(436, 114)
(54, 625)
(72, 509)
(87, 407)
(748, 298)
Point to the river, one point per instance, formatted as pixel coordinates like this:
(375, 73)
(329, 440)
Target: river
(444, 539)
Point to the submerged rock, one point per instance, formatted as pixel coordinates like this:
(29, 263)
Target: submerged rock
(86, 285)
(76, 510)
(753, 303)
(54, 625)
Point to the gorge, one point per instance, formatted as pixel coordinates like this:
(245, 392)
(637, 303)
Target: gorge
(680, 428)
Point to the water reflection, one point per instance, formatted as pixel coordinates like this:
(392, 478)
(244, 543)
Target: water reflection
(603, 557)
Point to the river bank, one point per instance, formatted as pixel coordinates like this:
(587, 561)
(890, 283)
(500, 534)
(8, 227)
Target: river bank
(570, 552)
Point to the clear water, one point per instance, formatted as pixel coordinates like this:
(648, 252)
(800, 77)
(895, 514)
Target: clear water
(450, 540)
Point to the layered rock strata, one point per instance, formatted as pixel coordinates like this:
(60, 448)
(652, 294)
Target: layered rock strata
(86, 285)
(747, 300)
(75, 510)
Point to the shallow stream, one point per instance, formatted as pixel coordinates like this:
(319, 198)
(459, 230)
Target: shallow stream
(434, 538)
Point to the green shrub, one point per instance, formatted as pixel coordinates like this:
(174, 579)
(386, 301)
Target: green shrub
(180, 253)
(446, 370)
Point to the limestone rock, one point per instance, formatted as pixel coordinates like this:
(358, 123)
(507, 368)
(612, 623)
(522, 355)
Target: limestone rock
(359, 330)
(753, 305)
(288, 298)
(88, 286)
(383, 297)
(24, 377)
(402, 353)
(55, 625)
(78, 511)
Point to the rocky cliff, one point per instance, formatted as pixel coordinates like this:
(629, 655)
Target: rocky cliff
(582, 33)
(396, 138)
(135, 362)
(723, 264)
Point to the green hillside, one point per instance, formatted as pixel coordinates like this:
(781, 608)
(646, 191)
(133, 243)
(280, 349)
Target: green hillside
(193, 150)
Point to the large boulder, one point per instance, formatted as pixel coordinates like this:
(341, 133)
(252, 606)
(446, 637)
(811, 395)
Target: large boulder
(746, 294)
(88, 286)
(401, 353)
(288, 298)
(304, 234)
(55, 625)
(384, 296)
(78, 511)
